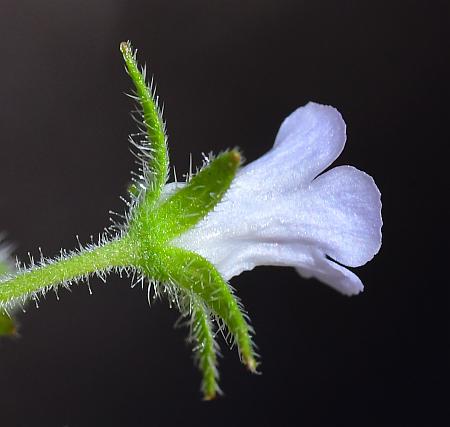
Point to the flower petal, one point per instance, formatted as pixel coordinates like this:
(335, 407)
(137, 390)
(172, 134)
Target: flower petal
(309, 140)
(345, 211)
(332, 274)
(338, 213)
(236, 256)
(276, 213)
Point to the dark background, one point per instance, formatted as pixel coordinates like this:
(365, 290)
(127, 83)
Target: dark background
(228, 73)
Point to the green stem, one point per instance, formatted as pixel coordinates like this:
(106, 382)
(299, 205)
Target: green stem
(113, 254)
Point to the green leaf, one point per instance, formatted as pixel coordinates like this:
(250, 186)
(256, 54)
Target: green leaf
(190, 204)
(153, 151)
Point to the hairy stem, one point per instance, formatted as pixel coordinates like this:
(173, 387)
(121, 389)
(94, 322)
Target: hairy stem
(75, 266)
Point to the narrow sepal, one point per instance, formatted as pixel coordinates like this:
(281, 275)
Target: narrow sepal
(195, 274)
(205, 348)
(203, 192)
(153, 149)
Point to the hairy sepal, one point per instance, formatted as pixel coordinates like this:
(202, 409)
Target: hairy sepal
(206, 349)
(195, 275)
(191, 203)
(152, 146)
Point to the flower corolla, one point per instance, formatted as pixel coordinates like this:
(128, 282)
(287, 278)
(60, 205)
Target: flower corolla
(283, 209)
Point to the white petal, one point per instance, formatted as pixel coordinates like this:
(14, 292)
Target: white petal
(332, 274)
(345, 209)
(276, 213)
(308, 141)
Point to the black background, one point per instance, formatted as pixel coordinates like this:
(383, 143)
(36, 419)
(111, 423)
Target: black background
(228, 73)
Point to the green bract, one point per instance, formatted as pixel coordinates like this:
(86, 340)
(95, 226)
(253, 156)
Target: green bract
(142, 244)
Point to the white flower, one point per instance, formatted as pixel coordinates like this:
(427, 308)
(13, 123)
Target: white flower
(280, 209)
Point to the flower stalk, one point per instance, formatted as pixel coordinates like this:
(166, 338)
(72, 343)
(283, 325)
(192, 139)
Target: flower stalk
(20, 286)
(188, 239)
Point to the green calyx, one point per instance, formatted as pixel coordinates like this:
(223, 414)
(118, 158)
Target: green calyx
(143, 244)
